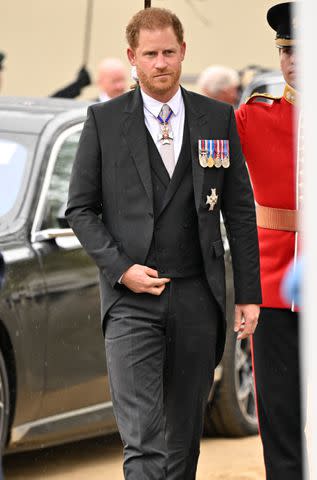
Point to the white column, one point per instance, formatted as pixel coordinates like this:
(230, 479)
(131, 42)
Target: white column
(307, 14)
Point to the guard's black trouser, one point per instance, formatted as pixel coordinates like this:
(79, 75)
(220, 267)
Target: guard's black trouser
(278, 388)
(161, 358)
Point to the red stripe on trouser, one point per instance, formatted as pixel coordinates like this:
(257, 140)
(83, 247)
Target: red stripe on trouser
(254, 381)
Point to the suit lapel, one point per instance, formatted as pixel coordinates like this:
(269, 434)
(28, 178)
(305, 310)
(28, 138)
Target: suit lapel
(134, 132)
(196, 120)
(135, 135)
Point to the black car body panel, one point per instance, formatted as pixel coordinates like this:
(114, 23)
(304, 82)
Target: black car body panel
(49, 305)
(50, 329)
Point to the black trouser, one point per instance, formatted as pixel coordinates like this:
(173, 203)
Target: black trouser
(277, 375)
(161, 358)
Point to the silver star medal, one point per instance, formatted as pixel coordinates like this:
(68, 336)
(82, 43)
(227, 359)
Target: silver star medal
(212, 199)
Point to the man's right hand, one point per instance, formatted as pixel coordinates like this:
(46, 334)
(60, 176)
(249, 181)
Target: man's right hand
(142, 279)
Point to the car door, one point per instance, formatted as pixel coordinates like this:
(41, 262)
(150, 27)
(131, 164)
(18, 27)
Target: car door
(75, 358)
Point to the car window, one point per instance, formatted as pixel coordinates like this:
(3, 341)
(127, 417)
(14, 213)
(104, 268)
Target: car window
(13, 158)
(16, 159)
(58, 188)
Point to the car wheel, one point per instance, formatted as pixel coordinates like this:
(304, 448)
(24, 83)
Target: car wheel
(232, 411)
(4, 402)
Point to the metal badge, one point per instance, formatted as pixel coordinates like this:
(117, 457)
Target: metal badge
(225, 154)
(211, 162)
(226, 162)
(202, 154)
(212, 199)
(203, 160)
(218, 161)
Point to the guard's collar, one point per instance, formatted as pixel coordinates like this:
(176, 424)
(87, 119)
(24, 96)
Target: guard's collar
(290, 95)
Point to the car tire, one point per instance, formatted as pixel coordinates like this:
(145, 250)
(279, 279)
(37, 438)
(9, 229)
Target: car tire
(4, 402)
(232, 410)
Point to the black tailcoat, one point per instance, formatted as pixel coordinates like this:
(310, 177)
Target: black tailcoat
(110, 204)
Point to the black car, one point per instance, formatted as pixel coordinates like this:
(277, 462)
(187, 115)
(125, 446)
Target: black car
(271, 82)
(53, 378)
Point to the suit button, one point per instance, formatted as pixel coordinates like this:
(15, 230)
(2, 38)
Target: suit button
(151, 214)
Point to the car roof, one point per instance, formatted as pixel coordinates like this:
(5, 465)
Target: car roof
(266, 78)
(262, 80)
(31, 114)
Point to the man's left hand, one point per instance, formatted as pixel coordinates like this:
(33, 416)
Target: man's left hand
(246, 319)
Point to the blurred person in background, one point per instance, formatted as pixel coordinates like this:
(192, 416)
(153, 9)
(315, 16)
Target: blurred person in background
(221, 83)
(2, 57)
(268, 135)
(111, 79)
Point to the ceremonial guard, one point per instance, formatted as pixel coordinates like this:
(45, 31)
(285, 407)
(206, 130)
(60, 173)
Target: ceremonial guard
(268, 129)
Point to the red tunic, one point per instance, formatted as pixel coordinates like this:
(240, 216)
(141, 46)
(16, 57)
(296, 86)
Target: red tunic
(268, 143)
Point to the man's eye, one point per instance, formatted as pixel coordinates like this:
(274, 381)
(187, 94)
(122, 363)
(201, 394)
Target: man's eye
(288, 50)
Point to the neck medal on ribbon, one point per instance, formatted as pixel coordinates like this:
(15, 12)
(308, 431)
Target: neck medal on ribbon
(166, 134)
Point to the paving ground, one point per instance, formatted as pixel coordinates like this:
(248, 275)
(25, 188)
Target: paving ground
(100, 459)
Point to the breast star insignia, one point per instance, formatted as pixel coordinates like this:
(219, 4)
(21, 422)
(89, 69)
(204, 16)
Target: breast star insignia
(212, 199)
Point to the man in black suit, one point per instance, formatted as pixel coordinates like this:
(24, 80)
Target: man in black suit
(153, 171)
(2, 58)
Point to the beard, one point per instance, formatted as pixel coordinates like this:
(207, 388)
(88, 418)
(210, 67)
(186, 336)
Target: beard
(159, 85)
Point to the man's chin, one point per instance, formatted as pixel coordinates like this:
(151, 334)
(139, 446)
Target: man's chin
(292, 81)
(163, 82)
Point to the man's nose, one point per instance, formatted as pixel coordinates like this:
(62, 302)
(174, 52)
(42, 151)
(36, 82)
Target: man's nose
(160, 61)
(293, 58)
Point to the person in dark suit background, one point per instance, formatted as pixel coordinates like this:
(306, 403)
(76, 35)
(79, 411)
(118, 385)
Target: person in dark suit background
(111, 79)
(221, 83)
(2, 58)
(74, 89)
(154, 169)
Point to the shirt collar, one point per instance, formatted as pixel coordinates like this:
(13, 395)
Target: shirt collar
(154, 106)
(103, 97)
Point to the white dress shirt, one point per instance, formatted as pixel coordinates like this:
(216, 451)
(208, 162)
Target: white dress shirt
(152, 109)
(103, 97)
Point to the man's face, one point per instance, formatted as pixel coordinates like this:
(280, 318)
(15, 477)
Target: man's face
(113, 81)
(158, 59)
(288, 65)
(229, 95)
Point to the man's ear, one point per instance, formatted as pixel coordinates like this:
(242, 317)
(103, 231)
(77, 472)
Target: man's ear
(131, 56)
(183, 50)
